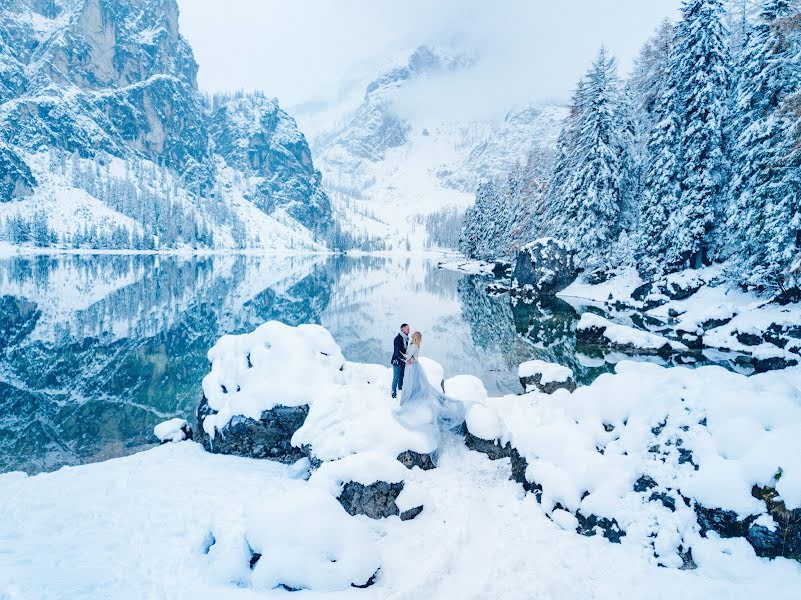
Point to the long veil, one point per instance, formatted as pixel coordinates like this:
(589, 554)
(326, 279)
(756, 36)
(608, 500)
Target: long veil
(426, 408)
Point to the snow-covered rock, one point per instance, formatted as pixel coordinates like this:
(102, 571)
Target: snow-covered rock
(545, 377)
(173, 430)
(544, 266)
(660, 456)
(596, 330)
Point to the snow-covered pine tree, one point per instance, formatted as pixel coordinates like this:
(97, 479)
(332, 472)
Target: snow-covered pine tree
(660, 172)
(700, 77)
(587, 191)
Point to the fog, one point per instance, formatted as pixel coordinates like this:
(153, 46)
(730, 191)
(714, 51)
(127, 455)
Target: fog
(309, 52)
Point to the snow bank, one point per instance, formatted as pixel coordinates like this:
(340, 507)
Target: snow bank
(365, 468)
(705, 434)
(307, 542)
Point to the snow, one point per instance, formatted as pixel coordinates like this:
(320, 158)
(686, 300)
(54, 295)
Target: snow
(143, 526)
(176, 521)
(550, 372)
(275, 365)
(307, 541)
(171, 430)
(625, 335)
(587, 449)
(471, 267)
(618, 287)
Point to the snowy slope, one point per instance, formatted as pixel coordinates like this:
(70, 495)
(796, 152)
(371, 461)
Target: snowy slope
(379, 157)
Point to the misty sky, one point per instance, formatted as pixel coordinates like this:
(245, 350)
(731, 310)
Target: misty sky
(305, 51)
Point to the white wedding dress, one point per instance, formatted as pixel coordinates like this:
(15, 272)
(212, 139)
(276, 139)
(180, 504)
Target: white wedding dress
(424, 406)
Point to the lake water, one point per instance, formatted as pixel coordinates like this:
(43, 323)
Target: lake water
(95, 350)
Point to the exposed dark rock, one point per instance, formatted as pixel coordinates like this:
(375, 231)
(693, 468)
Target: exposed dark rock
(641, 293)
(597, 277)
(691, 339)
(644, 483)
(410, 514)
(609, 527)
(545, 267)
(270, 437)
(678, 291)
(411, 459)
(376, 501)
(725, 523)
(785, 541)
(367, 583)
(666, 499)
(748, 339)
(547, 388)
(502, 269)
(763, 365)
(491, 448)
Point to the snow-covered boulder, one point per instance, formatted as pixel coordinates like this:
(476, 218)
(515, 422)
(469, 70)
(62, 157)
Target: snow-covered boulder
(306, 542)
(595, 330)
(367, 484)
(668, 459)
(285, 393)
(544, 266)
(260, 387)
(173, 430)
(545, 377)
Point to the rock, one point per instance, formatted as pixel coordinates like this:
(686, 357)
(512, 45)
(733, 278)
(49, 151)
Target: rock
(544, 266)
(491, 448)
(501, 269)
(773, 363)
(691, 339)
(376, 501)
(785, 538)
(644, 483)
(748, 339)
(411, 459)
(609, 528)
(549, 387)
(545, 377)
(16, 179)
(270, 437)
(174, 430)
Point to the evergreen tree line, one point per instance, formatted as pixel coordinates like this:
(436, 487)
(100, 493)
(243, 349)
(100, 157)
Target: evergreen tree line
(695, 159)
(147, 194)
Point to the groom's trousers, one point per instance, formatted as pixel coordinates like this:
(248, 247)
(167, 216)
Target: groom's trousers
(397, 378)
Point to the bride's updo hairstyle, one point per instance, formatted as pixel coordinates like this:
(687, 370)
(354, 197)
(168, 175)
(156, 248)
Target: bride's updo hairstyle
(417, 338)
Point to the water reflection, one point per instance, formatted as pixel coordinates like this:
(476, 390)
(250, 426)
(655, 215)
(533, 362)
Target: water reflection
(94, 351)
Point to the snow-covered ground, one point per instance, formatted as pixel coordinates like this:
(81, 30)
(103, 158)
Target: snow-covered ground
(178, 522)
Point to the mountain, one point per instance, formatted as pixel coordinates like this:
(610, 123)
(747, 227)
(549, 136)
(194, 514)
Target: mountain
(387, 166)
(103, 132)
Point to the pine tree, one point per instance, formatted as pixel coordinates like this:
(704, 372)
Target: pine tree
(587, 193)
(660, 173)
(700, 77)
(765, 186)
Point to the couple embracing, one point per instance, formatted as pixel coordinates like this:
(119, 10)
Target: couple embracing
(423, 406)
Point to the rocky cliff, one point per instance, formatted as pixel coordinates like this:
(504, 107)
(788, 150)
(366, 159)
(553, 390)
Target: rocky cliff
(97, 78)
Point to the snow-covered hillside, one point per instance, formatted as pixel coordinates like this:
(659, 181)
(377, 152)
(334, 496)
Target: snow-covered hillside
(384, 164)
(106, 142)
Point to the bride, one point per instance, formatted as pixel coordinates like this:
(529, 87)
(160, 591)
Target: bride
(423, 406)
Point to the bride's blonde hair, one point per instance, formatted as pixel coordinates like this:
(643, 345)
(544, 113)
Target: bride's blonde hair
(417, 338)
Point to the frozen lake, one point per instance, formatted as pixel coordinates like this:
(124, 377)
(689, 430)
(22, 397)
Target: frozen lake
(95, 350)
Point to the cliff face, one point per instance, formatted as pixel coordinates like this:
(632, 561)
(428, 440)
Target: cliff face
(115, 76)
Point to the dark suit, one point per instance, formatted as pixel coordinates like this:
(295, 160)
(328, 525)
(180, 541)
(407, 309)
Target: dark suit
(398, 363)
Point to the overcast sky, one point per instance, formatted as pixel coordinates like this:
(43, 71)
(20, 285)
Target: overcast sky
(308, 50)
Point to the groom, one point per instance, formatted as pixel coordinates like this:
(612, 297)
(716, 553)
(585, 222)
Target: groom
(399, 359)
